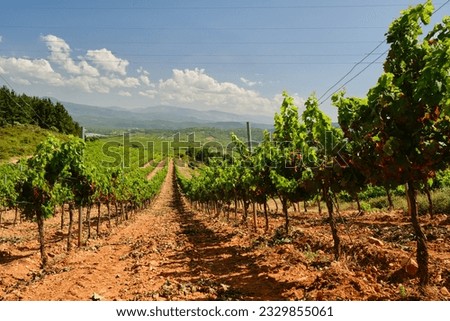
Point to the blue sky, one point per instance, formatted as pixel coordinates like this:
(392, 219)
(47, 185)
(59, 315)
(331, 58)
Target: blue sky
(228, 55)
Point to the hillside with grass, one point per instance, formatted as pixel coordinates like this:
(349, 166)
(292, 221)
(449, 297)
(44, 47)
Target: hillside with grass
(21, 140)
(26, 121)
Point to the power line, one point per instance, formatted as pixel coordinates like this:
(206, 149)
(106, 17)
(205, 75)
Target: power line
(187, 28)
(197, 62)
(243, 55)
(354, 77)
(364, 69)
(208, 55)
(443, 5)
(350, 71)
(216, 59)
(210, 62)
(333, 6)
(227, 43)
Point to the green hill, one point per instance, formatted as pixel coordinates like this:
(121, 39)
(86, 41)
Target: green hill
(21, 140)
(26, 121)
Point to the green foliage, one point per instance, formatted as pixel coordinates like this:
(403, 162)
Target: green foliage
(290, 153)
(11, 175)
(441, 202)
(380, 202)
(374, 191)
(22, 140)
(442, 179)
(279, 237)
(274, 168)
(59, 173)
(402, 291)
(400, 133)
(365, 207)
(287, 126)
(42, 112)
(55, 169)
(325, 144)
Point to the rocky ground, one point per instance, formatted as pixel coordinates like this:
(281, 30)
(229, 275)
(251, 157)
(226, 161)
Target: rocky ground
(173, 252)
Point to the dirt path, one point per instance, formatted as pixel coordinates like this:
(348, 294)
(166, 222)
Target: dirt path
(157, 168)
(209, 260)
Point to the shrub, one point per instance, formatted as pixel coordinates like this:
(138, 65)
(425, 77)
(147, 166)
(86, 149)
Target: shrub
(440, 199)
(380, 202)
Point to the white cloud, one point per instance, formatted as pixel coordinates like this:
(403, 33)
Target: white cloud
(20, 81)
(145, 80)
(141, 70)
(60, 54)
(101, 72)
(112, 82)
(102, 85)
(105, 59)
(144, 76)
(149, 93)
(249, 82)
(1, 38)
(79, 75)
(124, 93)
(197, 89)
(30, 70)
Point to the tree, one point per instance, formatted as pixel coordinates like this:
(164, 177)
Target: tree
(262, 164)
(37, 111)
(400, 134)
(288, 157)
(327, 170)
(55, 167)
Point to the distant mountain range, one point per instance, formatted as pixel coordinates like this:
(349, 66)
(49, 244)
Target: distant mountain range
(160, 117)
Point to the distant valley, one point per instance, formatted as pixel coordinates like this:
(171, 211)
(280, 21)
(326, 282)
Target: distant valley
(160, 117)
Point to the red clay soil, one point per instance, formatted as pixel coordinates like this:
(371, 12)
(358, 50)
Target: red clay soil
(172, 252)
